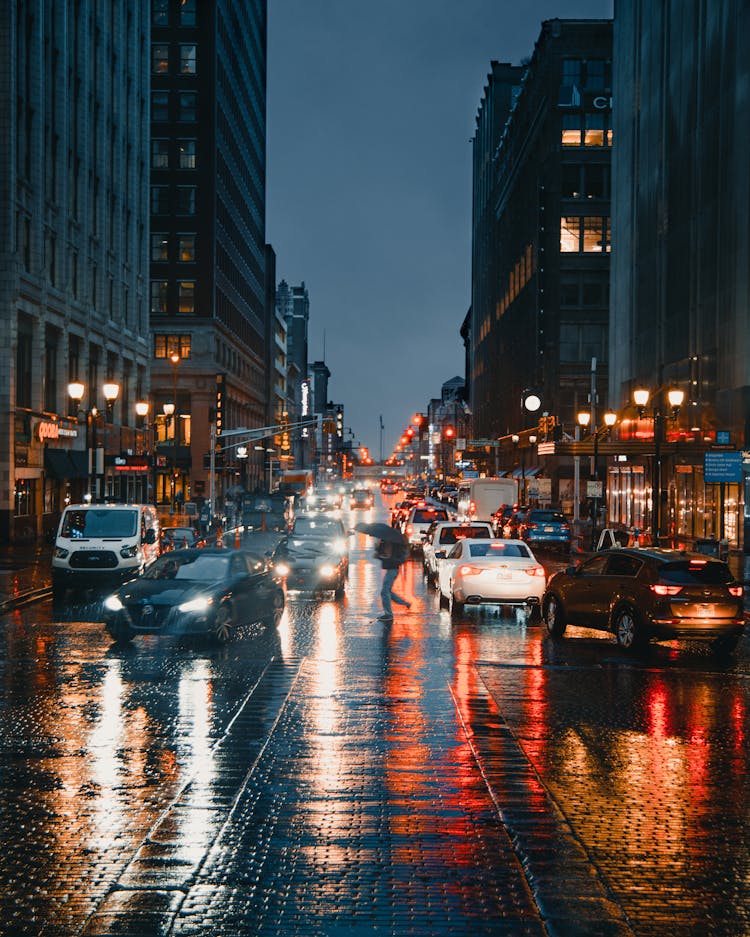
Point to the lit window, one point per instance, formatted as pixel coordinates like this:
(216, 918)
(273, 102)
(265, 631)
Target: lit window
(167, 345)
(187, 59)
(186, 295)
(159, 297)
(160, 154)
(159, 59)
(571, 130)
(159, 247)
(187, 151)
(570, 235)
(186, 248)
(593, 236)
(594, 132)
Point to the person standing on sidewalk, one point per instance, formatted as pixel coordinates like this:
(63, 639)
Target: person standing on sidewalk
(392, 554)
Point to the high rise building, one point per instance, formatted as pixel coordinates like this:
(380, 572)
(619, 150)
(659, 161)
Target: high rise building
(207, 239)
(680, 274)
(73, 260)
(293, 303)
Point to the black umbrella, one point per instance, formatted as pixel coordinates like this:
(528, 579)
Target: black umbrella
(382, 532)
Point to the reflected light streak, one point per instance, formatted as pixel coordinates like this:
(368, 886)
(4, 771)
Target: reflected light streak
(195, 696)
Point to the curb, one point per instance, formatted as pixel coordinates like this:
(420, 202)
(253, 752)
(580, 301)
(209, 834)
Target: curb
(24, 598)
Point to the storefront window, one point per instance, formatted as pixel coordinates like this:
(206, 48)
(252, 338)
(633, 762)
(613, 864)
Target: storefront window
(23, 500)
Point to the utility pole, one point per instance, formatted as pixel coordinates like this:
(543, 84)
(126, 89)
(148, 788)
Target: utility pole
(381, 438)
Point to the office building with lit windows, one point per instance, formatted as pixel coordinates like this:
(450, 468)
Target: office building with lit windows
(541, 230)
(73, 257)
(207, 241)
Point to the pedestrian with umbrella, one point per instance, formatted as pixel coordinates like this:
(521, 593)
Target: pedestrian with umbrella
(392, 550)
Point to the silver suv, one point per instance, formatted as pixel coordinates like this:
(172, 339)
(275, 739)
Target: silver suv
(440, 539)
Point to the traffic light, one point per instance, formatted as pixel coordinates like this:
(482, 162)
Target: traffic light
(449, 432)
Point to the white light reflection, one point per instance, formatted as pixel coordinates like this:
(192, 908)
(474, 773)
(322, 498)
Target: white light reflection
(195, 696)
(105, 744)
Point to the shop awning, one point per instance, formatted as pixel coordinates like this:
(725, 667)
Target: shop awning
(531, 472)
(66, 464)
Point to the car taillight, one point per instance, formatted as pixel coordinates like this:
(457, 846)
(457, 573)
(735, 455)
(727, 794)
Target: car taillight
(472, 507)
(469, 570)
(736, 591)
(534, 571)
(660, 589)
(529, 526)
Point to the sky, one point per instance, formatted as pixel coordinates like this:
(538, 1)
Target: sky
(371, 110)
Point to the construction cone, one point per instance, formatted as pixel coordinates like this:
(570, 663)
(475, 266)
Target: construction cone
(237, 542)
(220, 537)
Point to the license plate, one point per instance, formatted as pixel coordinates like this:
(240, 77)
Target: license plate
(549, 530)
(501, 576)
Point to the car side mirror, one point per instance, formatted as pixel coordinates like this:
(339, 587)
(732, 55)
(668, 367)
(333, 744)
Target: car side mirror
(439, 554)
(150, 536)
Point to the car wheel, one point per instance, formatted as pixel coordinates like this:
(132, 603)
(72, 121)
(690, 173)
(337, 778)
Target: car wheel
(340, 588)
(442, 600)
(726, 644)
(223, 623)
(626, 628)
(554, 617)
(120, 633)
(456, 607)
(277, 604)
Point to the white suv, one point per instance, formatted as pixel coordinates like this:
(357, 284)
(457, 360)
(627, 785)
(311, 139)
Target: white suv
(418, 522)
(442, 537)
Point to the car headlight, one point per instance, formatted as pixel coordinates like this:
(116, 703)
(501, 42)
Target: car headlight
(61, 553)
(326, 570)
(339, 544)
(281, 569)
(127, 552)
(199, 604)
(113, 604)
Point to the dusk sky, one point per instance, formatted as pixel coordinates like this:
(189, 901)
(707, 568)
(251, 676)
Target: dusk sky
(371, 110)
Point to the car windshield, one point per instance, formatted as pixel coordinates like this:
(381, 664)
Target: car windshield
(305, 525)
(499, 549)
(428, 515)
(696, 572)
(99, 522)
(177, 533)
(198, 566)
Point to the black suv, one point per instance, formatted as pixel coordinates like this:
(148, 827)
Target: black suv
(648, 593)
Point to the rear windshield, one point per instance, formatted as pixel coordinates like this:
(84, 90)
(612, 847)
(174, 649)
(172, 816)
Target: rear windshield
(551, 516)
(499, 549)
(453, 534)
(428, 516)
(687, 573)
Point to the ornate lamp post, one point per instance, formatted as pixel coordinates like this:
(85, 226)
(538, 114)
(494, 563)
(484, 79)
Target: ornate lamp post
(76, 391)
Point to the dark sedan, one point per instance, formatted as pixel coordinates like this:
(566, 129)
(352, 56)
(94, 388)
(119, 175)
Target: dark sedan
(174, 538)
(311, 563)
(196, 591)
(648, 593)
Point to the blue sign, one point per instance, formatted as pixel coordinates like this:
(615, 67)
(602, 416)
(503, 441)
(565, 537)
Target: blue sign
(721, 467)
(722, 437)
(470, 473)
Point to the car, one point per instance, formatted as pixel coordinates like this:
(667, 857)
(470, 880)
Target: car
(545, 528)
(207, 591)
(512, 524)
(389, 487)
(175, 538)
(500, 518)
(418, 521)
(441, 536)
(311, 563)
(493, 571)
(323, 525)
(361, 499)
(640, 594)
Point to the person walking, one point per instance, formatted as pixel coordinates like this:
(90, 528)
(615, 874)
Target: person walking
(392, 554)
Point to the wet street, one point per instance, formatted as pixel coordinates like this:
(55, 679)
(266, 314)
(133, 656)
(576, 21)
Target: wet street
(342, 776)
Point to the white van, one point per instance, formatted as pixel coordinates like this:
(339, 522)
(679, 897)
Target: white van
(100, 544)
(478, 498)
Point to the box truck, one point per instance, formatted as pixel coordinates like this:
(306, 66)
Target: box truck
(479, 498)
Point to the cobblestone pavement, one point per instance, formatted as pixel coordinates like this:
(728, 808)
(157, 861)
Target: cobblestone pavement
(339, 776)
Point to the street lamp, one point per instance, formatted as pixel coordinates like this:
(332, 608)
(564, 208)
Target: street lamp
(641, 398)
(76, 391)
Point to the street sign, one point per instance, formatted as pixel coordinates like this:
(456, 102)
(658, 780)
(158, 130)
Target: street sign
(722, 466)
(594, 489)
(481, 443)
(722, 437)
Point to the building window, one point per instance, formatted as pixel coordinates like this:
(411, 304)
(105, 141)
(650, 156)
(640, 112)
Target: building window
(160, 12)
(186, 248)
(185, 199)
(187, 59)
(582, 341)
(186, 297)
(589, 181)
(160, 154)
(24, 497)
(159, 199)
(571, 130)
(159, 290)
(159, 248)
(598, 74)
(159, 59)
(160, 105)
(188, 106)
(589, 234)
(50, 372)
(23, 368)
(187, 152)
(572, 70)
(167, 345)
(594, 133)
(569, 292)
(187, 12)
